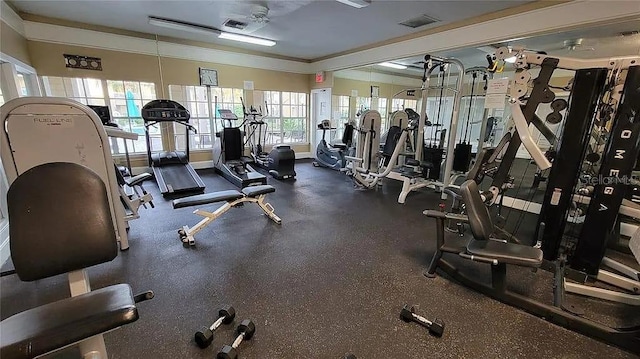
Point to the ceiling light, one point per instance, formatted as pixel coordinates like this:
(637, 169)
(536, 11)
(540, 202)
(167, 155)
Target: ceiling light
(359, 4)
(245, 38)
(183, 26)
(511, 60)
(392, 65)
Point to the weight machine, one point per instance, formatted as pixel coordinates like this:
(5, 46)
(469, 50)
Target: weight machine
(594, 86)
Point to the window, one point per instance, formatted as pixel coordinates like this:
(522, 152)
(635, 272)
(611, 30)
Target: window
(126, 98)
(382, 108)
(438, 112)
(1, 97)
(475, 118)
(401, 104)
(340, 114)
(22, 86)
(287, 117)
(229, 99)
(196, 99)
(362, 103)
(86, 91)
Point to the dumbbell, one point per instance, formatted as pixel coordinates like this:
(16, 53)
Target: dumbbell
(436, 327)
(204, 336)
(245, 331)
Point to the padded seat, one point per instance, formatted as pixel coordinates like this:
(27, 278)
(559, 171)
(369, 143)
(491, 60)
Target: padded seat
(508, 253)
(51, 326)
(206, 198)
(254, 191)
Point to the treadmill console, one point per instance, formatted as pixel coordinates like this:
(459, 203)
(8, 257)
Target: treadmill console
(103, 113)
(227, 115)
(164, 110)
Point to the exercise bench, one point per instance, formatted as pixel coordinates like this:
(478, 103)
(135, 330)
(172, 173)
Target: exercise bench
(252, 194)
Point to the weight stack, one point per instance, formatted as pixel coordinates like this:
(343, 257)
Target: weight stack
(433, 155)
(462, 157)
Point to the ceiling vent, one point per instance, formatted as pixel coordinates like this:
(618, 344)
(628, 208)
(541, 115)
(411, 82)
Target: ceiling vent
(419, 21)
(234, 24)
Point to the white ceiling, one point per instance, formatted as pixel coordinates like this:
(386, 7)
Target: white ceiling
(598, 42)
(305, 29)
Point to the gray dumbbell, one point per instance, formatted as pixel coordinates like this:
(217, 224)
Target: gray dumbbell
(204, 336)
(245, 331)
(436, 327)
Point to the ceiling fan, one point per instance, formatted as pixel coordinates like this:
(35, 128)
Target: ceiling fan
(249, 16)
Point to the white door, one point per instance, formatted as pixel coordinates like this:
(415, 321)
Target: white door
(320, 110)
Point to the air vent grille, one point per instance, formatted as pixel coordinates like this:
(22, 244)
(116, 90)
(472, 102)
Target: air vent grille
(234, 24)
(419, 21)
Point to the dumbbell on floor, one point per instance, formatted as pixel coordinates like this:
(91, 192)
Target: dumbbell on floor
(204, 336)
(436, 327)
(245, 331)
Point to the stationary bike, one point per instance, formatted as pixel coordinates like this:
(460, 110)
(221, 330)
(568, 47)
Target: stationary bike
(332, 155)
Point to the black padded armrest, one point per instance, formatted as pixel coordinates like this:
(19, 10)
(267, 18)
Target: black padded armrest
(42, 329)
(253, 191)
(207, 198)
(508, 253)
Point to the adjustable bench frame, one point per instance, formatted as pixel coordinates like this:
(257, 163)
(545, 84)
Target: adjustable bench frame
(626, 338)
(187, 234)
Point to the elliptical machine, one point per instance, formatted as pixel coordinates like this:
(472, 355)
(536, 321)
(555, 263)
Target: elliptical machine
(332, 155)
(280, 162)
(228, 148)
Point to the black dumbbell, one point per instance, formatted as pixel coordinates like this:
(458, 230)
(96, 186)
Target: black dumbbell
(204, 336)
(245, 331)
(436, 327)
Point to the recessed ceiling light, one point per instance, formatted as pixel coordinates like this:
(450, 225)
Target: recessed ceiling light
(359, 4)
(392, 65)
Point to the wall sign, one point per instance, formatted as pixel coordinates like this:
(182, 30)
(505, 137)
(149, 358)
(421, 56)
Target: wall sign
(83, 62)
(320, 77)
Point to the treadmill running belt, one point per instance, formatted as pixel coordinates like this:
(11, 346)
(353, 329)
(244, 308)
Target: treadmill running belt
(178, 178)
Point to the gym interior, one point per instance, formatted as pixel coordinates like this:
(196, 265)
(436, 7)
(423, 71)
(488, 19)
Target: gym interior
(320, 179)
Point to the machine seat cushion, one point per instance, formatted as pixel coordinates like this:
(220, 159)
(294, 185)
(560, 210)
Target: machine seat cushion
(508, 253)
(254, 191)
(51, 326)
(206, 198)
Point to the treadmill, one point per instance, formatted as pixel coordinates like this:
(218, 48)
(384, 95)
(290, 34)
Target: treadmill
(172, 170)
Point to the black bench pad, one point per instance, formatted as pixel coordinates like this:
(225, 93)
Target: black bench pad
(206, 198)
(253, 191)
(508, 253)
(51, 326)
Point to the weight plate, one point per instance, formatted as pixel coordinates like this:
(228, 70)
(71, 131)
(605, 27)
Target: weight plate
(548, 96)
(522, 77)
(554, 118)
(559, 104)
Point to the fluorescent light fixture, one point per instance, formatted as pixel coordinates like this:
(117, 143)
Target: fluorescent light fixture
(358, 4)
(511, 60)
(245, 38)
(392, 65)
(183, 26)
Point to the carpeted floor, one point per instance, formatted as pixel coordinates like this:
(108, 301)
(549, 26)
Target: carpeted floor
(330, 280)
